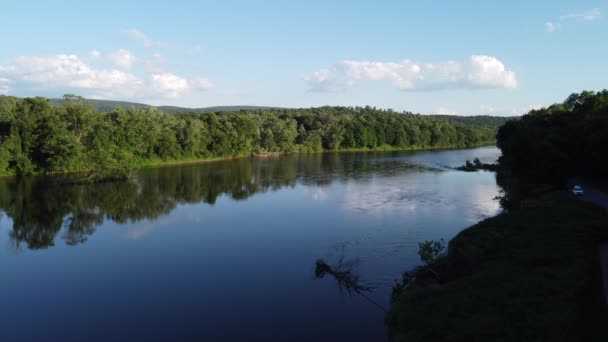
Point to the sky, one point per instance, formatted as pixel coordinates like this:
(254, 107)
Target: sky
(447, 57)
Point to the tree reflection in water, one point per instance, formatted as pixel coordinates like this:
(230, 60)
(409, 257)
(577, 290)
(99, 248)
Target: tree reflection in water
(41, 207)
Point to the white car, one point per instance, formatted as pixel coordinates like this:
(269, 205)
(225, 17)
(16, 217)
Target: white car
(577, 190)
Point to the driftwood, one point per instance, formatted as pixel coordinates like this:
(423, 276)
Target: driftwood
(347, 280)
(344, 276)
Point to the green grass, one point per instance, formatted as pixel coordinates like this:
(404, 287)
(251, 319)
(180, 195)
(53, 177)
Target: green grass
(157, 162)
(532, 275)
(390, 148)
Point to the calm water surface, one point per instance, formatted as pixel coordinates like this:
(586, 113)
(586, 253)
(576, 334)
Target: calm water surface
(226, 251)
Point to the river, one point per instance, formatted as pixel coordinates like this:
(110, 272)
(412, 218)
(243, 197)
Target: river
(226, 251)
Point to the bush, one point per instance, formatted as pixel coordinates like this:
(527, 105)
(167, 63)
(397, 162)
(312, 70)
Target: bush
(430, 250)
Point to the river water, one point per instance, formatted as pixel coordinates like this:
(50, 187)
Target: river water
(226, 251)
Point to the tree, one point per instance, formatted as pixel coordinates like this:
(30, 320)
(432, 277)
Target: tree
(37, 137)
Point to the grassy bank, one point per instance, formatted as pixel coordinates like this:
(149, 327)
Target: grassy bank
(526, 275)
(157, 162)
(161, 162)
(389, 148)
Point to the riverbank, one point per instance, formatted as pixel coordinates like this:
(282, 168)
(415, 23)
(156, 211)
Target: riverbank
(150, 163)
(389, 148)
(530, 274)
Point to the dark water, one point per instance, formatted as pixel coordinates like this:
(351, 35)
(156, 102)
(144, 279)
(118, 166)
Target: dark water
(226, 251)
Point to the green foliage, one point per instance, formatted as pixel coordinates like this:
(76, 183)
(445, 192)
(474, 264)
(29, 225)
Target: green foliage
(112, 163)
(38, 137)
(555, 143)
(476, 120)
(429, 251)
(526, 275)
(5, 156)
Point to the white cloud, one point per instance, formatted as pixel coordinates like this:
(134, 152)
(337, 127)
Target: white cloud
(445, 111)
(4, 87)
(479, 72)
(66, 71)
(147, 41)
(590, 15)
(70, 73)
(173, 86)
(169, 84)
(95, 54)
(489, 72)
(551, 27)
(402, 75)
(123, 59)
(321, 81)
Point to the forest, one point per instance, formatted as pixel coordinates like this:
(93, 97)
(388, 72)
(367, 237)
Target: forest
(39, 137)
(553, 144)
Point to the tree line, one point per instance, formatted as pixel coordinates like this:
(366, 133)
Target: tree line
(478, 120)
(37, 137)
(565, 140)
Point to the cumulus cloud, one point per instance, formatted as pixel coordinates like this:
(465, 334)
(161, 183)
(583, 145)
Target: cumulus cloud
(402, 75)
(66, 71)
(145, 39)
(322, 80)
(95, 54)
(70, 73)
(590, 15)
(479, 71)
(173, 86)
(123, 59)
(489, 72)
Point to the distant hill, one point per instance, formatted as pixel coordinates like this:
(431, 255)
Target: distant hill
(480, 120)
(109, 105)
(173, 109)
(105, 105)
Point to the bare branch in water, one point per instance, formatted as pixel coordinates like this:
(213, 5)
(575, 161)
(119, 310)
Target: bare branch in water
(343, 274)
(347, 280)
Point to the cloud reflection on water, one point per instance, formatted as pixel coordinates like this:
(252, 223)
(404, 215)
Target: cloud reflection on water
(420, 193)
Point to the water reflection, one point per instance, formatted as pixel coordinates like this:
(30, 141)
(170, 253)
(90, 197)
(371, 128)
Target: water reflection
(41, 207)
(184, 252)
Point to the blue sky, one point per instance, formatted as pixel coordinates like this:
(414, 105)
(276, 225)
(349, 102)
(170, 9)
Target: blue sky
(465, 57)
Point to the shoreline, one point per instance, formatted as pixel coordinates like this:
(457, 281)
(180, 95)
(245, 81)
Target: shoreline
(160, 163)
(510, 260)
